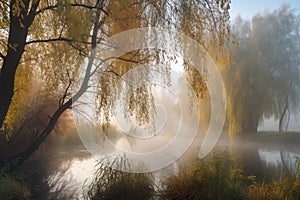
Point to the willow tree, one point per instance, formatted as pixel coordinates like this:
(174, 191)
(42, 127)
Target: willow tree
(263, 79)
(277, 36)
(50, 39)
(246, 83)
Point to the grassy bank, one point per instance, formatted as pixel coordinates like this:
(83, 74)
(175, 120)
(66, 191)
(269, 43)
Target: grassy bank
(108, 183)
(276, 137)
(221, 177)
(217, 177)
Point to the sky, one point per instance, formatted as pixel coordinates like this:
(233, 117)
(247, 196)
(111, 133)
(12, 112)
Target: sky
(248, 8)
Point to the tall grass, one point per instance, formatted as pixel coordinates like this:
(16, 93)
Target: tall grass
(220, 177)
(109, 183)
(13, 186)
(217, 177)
(287, 189)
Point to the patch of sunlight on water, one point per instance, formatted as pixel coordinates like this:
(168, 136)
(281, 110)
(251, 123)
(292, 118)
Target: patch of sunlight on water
(79, 175)
(81, 169)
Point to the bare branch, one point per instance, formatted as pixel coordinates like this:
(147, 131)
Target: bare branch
(81, 51)
(62, 29)
(62, 39)
(66, 93)
(113, 72)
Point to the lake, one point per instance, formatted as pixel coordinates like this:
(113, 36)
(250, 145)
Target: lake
(66, 172)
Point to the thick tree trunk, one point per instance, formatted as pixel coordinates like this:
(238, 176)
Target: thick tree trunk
(19, 159)
(16, 44)
(18, 31)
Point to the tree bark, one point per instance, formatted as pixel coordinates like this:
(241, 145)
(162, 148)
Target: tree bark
(18, 31)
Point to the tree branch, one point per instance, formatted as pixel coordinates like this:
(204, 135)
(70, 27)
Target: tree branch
(66, 93)
(31, 15)
(212, 15)
(62, 39)
(72, 5)
(2, 56)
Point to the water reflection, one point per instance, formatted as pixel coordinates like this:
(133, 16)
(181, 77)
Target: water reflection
(277, 163)
(77, 176)
(65, 174)
(60, 175)
(265, 159)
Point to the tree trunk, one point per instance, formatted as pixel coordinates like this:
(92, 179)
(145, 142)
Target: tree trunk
(286, 106)
(19, 159)
(16, 44)
(288, 120)
(18, 31)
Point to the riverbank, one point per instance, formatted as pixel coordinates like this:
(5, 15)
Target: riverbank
(285, 140)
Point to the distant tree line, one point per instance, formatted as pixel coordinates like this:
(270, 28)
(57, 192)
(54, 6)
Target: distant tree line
(263, 76)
